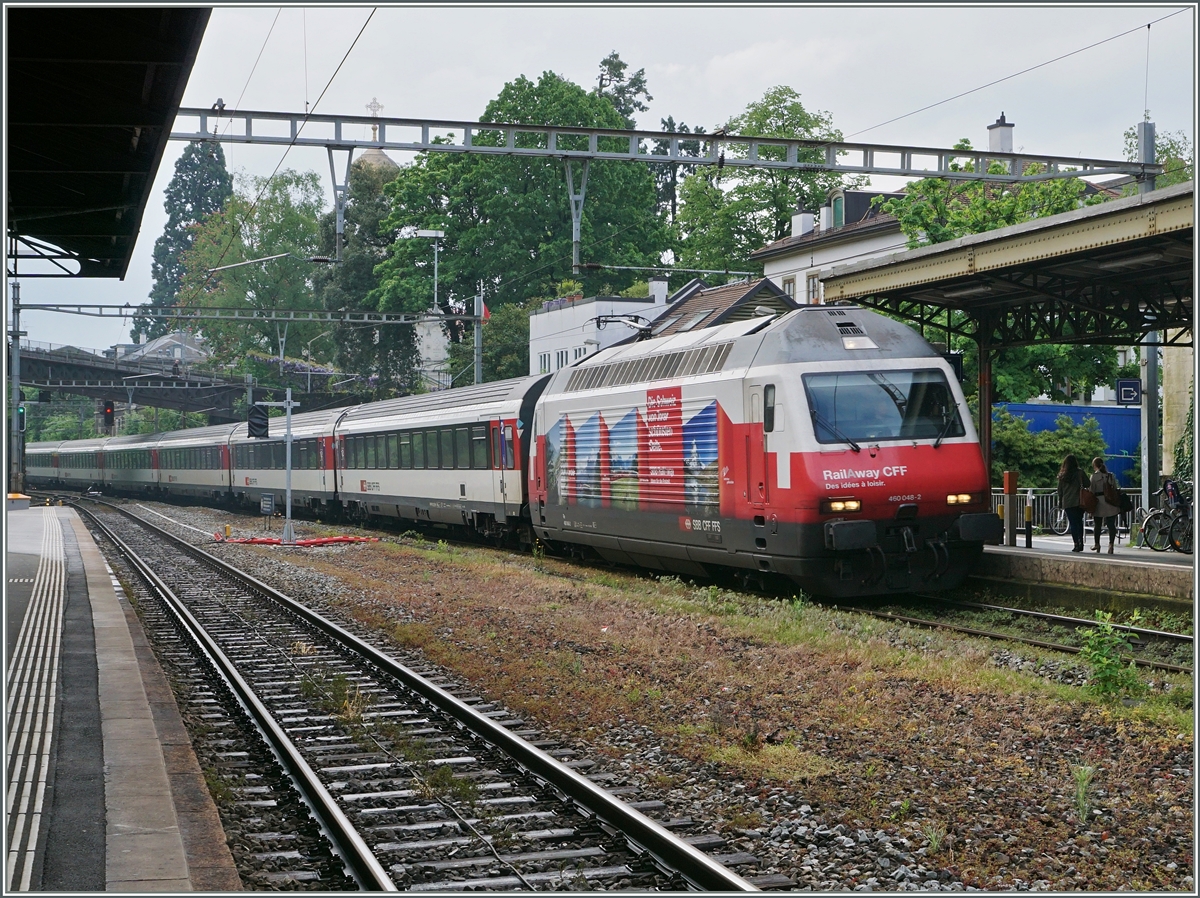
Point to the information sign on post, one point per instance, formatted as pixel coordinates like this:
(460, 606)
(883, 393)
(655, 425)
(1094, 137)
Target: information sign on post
(266, 503)
(1129, 391)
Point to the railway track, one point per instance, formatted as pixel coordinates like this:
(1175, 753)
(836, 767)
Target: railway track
(1139, 637)
(414, 787)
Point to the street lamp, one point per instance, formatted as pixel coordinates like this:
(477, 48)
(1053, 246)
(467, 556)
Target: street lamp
(436, 235)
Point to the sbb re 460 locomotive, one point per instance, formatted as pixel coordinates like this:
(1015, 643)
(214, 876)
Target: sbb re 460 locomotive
(831, 445)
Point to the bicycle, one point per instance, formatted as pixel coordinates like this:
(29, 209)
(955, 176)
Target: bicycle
(1058, 521)
(1158, 526)
(1180, 537)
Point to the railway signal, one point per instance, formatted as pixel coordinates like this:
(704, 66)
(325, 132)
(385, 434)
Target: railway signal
(110, 413)
(258, 423)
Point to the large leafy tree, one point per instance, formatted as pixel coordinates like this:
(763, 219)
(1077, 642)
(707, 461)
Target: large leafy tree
(507, 219)
(200, 187)
(265, 217)
(727, 213)
(388, 351)
(1038, 455)
(934, 210)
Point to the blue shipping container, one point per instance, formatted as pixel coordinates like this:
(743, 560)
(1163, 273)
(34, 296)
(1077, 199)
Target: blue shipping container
(1120, 425)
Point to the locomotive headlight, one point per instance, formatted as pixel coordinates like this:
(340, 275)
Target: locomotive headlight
(833, 506)
(958, 499)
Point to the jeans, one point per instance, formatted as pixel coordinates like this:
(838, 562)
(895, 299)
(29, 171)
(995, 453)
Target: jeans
(1075, 524)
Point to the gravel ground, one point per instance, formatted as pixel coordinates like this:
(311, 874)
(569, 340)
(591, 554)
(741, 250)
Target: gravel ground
(846, 753)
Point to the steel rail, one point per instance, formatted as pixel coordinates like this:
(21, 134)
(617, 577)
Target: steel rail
(1005, 637)
(350, 846)
(644, 835)
(1062, 619)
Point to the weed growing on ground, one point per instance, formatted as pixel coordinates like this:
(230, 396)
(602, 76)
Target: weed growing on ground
(1102, 651)
(934, 832)
(1083, 775)
(218, 786)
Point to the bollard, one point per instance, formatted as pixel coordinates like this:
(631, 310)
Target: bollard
(1010, 508)
(228, 531)
(1028, 526)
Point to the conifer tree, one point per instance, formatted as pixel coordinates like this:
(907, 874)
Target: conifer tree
(200, 187)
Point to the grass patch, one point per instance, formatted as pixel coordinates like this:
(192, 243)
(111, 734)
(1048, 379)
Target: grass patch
(776, 763)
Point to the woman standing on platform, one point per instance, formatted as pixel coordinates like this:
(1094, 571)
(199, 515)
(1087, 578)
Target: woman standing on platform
(1105, 513)
(1071, 484)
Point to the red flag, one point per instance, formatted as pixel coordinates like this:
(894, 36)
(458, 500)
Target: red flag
(486, 313)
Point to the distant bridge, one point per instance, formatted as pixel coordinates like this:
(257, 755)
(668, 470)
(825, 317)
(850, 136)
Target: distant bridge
(151, 382)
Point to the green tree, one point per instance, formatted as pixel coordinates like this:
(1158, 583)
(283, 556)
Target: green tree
(625, 92)
(389, 351)
(934, 210)
(1172, 150)
(1037, 456)
(727, 213)
(505, 346)
(667, 175)
(507, 219)
(265, 217)
(200, 187)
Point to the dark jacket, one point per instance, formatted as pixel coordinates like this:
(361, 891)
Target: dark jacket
(1069, 488)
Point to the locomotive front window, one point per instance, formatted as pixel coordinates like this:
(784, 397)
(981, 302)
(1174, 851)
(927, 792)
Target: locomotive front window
(882, 405)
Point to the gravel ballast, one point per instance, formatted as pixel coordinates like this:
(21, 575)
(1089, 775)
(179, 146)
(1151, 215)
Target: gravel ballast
(845, 753)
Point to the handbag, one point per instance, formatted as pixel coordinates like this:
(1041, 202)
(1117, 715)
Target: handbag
(1112, 495)
(1126, 504)
(1087, 500)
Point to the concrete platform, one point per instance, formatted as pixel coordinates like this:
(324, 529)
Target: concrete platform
(1130, 576)
(104, 791)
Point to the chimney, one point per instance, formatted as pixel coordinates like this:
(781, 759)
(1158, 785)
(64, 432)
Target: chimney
(658, 290)
(826, 218)
(802, 223)
(1000, 136)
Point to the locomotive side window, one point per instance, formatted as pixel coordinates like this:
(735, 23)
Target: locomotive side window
(769, 408)
(882, 405)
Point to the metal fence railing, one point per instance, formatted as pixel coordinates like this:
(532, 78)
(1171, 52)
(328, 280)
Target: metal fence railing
(1045, 504)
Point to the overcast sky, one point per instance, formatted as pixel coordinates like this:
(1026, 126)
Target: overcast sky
(703, 65)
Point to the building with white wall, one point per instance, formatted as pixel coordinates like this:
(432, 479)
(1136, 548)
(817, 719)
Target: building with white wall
(565, 330)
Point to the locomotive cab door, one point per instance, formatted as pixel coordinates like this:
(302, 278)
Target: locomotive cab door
(755, 448)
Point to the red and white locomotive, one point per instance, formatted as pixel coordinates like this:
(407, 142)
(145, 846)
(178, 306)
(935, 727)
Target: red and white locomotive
(831, 445)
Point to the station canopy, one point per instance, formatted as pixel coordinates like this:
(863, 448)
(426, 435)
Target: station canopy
(92, 93)
(1103, 274)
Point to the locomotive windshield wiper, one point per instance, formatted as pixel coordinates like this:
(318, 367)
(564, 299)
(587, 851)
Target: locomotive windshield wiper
(820, 419)
(950, 419)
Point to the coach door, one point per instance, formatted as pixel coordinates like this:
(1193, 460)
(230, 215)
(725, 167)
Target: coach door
(501, 479)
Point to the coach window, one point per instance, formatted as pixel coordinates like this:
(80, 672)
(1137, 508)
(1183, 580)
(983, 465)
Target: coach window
(446, 447)
(418, 449)
(393, 450)
(406, 454)
(462, 447)
(768, 408)
(511, 446)
(371, 459)
(479, 452)
(431, 450)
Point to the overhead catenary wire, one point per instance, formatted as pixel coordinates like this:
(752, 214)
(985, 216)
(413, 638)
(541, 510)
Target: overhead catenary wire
(1022, 72)
(267, 181)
